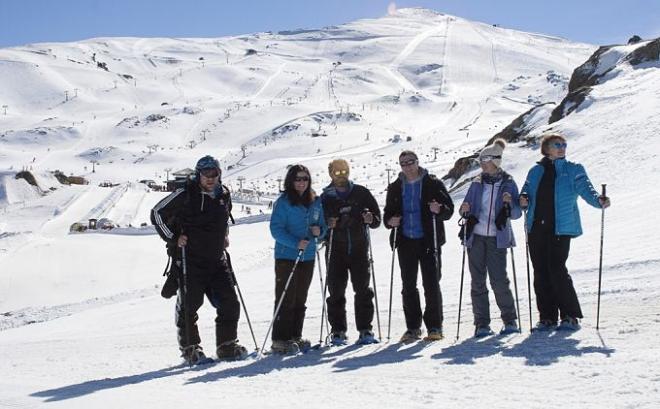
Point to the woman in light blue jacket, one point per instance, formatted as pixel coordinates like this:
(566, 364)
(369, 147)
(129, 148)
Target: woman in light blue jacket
(296, 224)
(550, 195)
(491, 201)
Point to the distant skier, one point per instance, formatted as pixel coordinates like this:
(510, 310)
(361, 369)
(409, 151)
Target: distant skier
(490, 202)
(194, 219)
(415, 200)
(297, 218)
(349, 209)
(550, 195)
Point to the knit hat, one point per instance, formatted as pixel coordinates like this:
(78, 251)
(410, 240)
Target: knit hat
(493, 152)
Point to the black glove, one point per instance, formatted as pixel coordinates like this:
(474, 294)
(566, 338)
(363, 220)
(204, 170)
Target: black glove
(468, 226)
(502, 216)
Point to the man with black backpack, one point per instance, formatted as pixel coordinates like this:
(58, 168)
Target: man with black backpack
(193, 222)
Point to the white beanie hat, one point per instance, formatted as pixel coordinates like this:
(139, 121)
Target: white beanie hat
(493, 152)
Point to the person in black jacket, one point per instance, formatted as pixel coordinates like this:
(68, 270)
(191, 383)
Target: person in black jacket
(349, 209)
(194, 219)
(414, 202)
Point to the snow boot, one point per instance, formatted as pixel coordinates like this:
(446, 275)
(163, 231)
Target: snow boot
(366, 337)
(193, 355)
(434, 334)
(338, 338)
(482, 331)
(303, 344)
(280, 347)
(545, 326)
(231, 351)
(411, 335)
(569, 324)
(510, 327)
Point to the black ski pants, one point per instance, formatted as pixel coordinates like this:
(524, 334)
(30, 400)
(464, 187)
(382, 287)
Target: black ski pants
(413, 253)
(355, 260)
(288, 324)
(218, 287)
(555, 293)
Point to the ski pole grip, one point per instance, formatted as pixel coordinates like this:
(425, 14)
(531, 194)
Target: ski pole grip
(604, 190)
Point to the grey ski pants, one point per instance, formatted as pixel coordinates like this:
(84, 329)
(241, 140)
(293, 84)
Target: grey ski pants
(485, 259)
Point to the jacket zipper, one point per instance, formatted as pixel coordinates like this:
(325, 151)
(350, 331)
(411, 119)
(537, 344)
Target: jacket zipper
(490, 208)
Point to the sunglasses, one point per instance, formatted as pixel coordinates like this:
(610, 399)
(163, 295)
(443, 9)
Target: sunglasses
(488, 158)
(559, 145)
(408, 162)
(209, 173)
(301, 179)
(340, 172)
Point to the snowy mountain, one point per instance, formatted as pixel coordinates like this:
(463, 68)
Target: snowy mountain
(133, 109)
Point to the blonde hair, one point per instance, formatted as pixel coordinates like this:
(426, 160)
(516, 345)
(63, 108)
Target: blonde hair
(546, 139)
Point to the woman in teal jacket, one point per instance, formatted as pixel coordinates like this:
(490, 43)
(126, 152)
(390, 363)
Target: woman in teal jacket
(550, 195)
(296, 224)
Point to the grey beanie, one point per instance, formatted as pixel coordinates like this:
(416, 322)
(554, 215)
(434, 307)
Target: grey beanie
(494, 151)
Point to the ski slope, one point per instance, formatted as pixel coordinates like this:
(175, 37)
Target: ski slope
(82, 323)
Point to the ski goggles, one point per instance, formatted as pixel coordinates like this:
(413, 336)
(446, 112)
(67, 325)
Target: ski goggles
(559, 145)
(342, 172)
(488, 158)
(408, 162)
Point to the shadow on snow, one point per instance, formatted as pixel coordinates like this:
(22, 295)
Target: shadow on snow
(539, 348)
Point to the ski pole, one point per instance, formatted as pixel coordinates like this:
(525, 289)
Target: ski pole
(529, 286)
(184, 306)
(513, 269)
(318, 261)
(325, 288)
(389, 314)
(281, 300)
(600, 263)
(435, 246)
(460, 296)
(373, 278)
(240, 295)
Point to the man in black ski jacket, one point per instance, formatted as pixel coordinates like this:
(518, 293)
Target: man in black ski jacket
(193, 220)
(349, 209)
(414, 201)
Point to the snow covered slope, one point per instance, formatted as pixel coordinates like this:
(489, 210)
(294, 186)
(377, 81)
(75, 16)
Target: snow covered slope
(101, 336)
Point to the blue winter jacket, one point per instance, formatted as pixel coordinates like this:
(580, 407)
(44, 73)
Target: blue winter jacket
(504, 237)
(571, 180)
(289, 224)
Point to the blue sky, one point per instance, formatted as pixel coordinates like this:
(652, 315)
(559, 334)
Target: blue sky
(29, 21)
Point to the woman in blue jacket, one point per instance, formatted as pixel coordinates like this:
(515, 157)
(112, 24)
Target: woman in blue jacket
(490, 201)
(550, 195)
(297, 221)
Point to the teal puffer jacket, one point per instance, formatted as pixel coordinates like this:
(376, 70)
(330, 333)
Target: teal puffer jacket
(571, 180)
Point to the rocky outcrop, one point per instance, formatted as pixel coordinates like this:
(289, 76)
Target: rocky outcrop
(584, 77)
(646, 53)
(591, 72)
